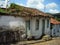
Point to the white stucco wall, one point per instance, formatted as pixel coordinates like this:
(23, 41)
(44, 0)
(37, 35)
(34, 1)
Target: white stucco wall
(38, 33)
(56, 30)
(34, 32)
(47, 29)
(12, 21)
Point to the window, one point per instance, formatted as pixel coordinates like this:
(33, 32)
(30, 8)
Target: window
(1, 5)
(43, 26)
(28, 24)
(59, 25)
(51, 26)
(48, 23)
(37, 24)
(54, 31)
(58, 30)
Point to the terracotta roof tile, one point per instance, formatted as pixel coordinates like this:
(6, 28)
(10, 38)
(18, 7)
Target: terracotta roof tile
(54, 21)
(28, 12)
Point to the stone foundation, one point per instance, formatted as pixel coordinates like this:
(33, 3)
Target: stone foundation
(9, 36)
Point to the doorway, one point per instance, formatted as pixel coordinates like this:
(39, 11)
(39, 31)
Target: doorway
(43, 27)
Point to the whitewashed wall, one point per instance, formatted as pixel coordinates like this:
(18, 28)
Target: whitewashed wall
(12, 21)
(34, 32)
(56, 30)
(38, 33)
(47, 29)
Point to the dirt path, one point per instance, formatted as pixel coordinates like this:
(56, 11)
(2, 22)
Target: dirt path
(55, 41)
(52, 42)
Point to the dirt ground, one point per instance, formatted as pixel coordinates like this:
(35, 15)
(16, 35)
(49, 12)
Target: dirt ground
(51, 42)
(54, 41)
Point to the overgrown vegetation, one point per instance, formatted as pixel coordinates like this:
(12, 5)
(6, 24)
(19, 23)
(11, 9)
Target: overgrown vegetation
(56, 15)
(16, 8)
(3, 10)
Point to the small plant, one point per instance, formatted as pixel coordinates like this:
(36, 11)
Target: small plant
(46, 37)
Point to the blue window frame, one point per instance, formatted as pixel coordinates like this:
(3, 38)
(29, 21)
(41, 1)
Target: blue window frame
(37, 24)
(47, 23)
(28, 24)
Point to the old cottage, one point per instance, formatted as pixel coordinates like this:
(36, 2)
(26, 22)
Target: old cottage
(33, 22)
(55, 27)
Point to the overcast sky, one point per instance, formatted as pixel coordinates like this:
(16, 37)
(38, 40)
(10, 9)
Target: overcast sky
(51, 6)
